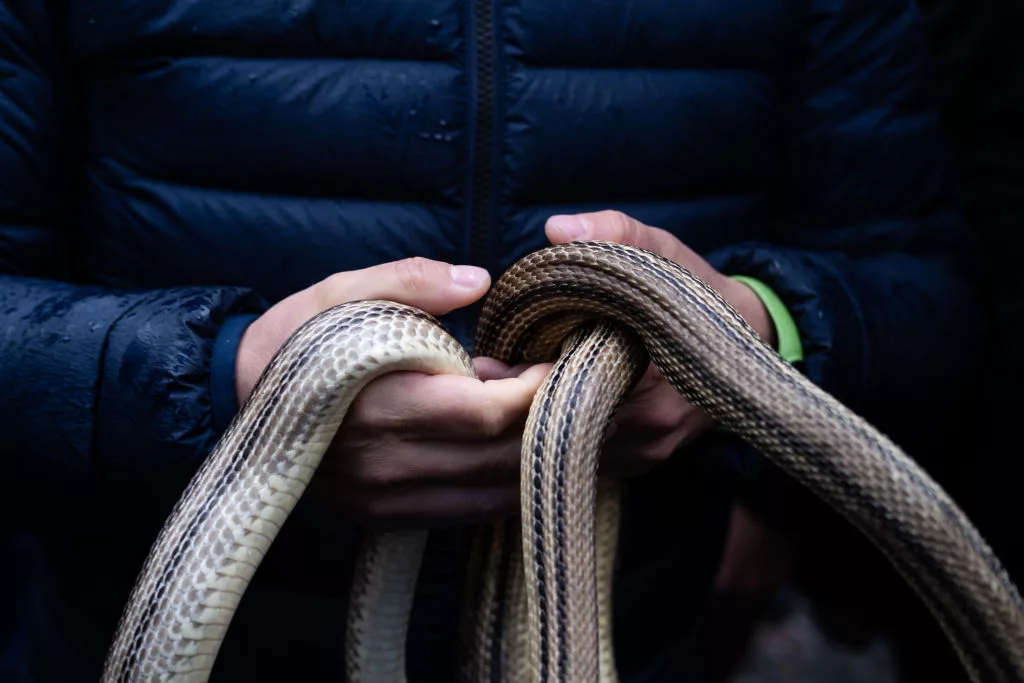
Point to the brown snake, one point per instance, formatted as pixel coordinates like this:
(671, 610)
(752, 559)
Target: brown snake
(538, 610)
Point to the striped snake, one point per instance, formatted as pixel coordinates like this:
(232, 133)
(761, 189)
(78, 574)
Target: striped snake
(539, 603)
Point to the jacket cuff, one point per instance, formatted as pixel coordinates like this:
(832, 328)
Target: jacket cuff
(223, 400)
(154, 403)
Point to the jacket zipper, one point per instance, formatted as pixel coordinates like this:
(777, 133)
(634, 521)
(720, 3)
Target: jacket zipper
(480, 210)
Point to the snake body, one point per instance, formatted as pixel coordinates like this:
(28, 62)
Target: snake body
(539, 605)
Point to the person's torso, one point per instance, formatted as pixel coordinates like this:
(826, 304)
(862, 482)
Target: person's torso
(271, 143)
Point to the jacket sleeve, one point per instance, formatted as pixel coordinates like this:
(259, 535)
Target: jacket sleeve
(100, 390)
(873, 260)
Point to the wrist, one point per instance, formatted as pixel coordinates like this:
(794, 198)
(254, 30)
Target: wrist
(223, 369)
(251, 359)
(245, 373)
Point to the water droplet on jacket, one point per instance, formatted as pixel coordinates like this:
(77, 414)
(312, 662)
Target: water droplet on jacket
(424, 136)
(435, 23)
(438, 136)
(252, 78)
(412, 112)
(443, 122)
(92, 21)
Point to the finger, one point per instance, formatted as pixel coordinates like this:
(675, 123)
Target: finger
(399, 465)
(627, 454)
(433, 286)
(629, 451)
(490, 368)
(615, 226)
(433, 508)
(651, 379)
(655, 410)
(442, 407)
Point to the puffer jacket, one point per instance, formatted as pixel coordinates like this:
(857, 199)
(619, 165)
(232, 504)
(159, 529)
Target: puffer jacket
(169, 168)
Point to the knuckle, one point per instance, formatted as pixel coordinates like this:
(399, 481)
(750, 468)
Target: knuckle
(480, 417)
(489, 419)
(369, 421)
(664, 419)
(414, 274)
(619, 224)
(332, 290)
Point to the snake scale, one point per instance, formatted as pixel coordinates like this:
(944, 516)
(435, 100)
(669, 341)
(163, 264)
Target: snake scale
(538, 605)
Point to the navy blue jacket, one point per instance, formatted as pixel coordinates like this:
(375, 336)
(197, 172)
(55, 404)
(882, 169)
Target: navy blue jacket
(171, 167)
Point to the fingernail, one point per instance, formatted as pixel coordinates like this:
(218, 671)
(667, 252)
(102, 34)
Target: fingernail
(469, 276)
(571, 227)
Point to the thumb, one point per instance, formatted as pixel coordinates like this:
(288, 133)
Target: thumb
(433, 286)
(615, 226)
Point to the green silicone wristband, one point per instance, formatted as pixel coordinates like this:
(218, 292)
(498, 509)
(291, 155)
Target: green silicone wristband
(786, 332)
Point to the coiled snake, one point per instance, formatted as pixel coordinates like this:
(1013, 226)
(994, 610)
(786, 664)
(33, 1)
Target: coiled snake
(539, 607)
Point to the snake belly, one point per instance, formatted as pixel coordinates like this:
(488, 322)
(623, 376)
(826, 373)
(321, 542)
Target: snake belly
(218, 533)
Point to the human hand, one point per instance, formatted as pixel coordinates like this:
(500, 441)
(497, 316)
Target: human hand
(418, 450)
(414, 449)
(655, 420)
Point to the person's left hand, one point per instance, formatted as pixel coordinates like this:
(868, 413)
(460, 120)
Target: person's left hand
(655, 420)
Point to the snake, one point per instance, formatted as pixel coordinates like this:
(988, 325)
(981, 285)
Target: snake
(537, 606)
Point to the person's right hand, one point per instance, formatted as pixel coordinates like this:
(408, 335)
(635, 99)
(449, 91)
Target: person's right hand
(414, 450)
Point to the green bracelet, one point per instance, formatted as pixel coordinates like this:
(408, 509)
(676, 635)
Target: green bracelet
(786, 332)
